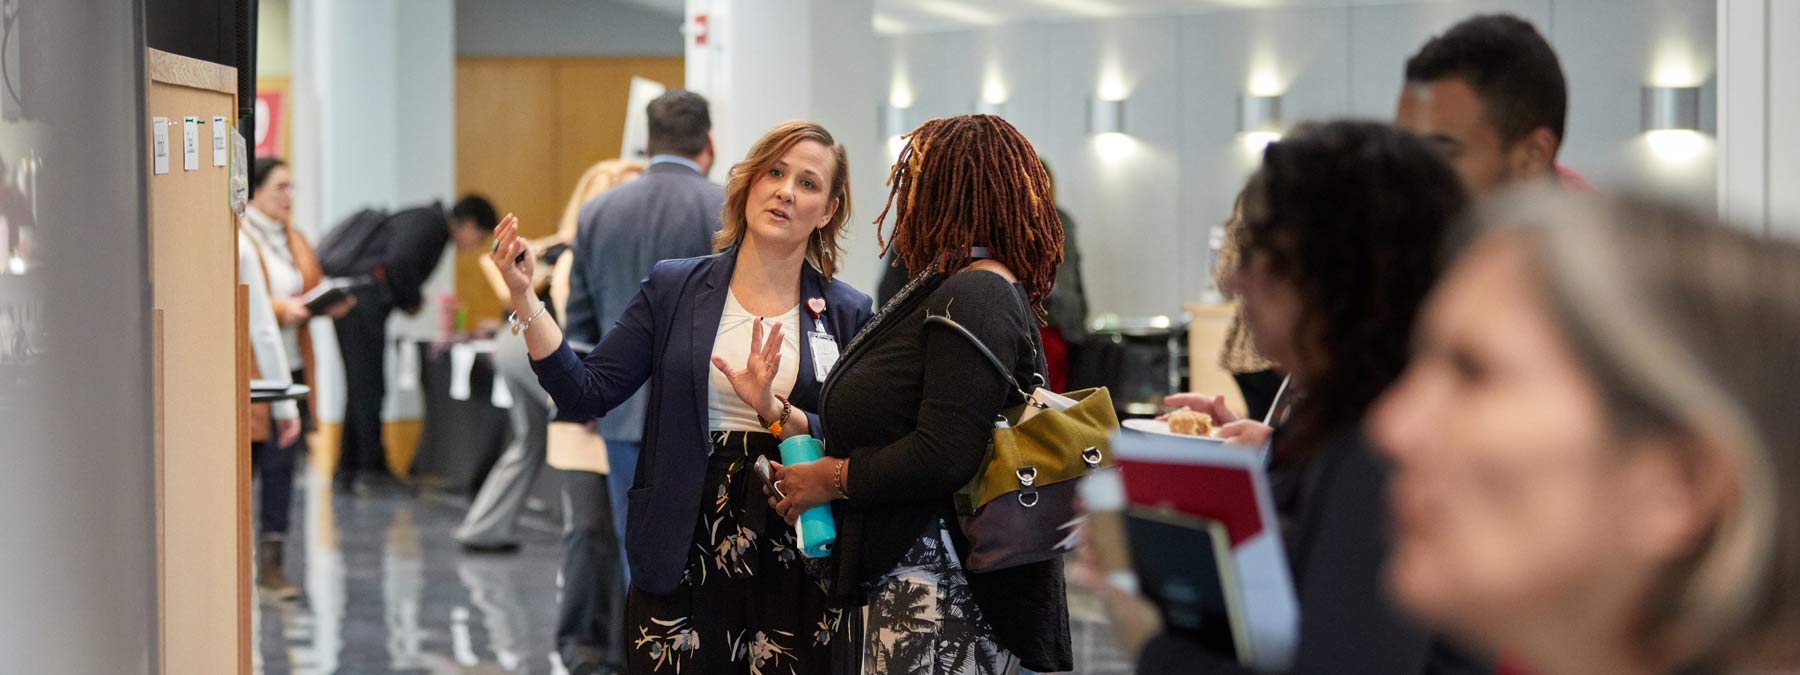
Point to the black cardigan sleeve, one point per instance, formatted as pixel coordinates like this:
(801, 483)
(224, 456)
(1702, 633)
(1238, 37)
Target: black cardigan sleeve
(960, 394)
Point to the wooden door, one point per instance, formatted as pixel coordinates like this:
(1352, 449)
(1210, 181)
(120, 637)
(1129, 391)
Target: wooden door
(527, 128)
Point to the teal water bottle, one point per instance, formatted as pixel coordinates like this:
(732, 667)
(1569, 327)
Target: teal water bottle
(816, 529)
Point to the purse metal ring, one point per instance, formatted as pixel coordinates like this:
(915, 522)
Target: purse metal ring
(1092, 457)
(1028, 498)
(1027, 475)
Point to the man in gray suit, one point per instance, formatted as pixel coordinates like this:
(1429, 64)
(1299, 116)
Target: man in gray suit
(672, 211)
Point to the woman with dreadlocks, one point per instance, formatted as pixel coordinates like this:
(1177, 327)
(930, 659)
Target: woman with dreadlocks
(908, 409)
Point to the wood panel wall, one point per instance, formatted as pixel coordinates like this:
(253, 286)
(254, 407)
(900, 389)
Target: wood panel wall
(526, 129)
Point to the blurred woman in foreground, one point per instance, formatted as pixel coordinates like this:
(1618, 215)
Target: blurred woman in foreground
(1597, 446)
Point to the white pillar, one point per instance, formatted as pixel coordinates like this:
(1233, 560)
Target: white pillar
(374, 102)
(768, 61)
(77, 498)
(1759, 149)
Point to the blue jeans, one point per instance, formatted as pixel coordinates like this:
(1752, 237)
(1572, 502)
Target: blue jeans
(621, 460)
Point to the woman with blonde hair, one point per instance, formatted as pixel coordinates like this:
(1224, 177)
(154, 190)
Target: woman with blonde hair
(1598, 456)
(716, 580)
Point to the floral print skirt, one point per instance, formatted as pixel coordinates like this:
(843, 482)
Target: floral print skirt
(746, 604)
(923, 619)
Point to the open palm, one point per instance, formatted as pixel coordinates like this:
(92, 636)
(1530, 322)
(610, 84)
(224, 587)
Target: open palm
(751, 383)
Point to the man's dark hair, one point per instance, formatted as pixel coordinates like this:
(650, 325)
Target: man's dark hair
(679, 122)
(477, 208)
(1510, 66)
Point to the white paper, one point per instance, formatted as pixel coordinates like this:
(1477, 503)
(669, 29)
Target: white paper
(502, 396)
(220, 130)
(462, 362)
(406, 366)
(159, 129)
(825, 353)
(190, 144)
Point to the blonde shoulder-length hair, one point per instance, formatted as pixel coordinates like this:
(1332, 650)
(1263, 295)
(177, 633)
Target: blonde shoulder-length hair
(1690, 328)
(602, 176)
(825, 246)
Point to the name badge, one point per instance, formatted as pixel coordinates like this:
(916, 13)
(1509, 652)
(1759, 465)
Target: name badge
(825, 353)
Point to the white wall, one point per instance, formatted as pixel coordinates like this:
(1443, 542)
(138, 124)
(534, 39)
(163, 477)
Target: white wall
(564, 28)
(1145, 212)
(374, 86)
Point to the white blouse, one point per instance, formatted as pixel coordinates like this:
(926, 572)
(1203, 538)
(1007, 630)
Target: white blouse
(284, 276)
(265, 335)
(724, 410)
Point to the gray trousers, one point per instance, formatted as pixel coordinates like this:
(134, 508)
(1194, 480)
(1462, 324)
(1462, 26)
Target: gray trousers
(497, 505)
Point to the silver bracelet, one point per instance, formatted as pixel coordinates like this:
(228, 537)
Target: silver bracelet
(512, 319)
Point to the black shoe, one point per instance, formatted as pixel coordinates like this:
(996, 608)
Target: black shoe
(504, 547)
(343, 484)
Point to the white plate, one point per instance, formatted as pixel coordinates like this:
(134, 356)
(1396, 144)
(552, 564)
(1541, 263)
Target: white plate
(1150, 426)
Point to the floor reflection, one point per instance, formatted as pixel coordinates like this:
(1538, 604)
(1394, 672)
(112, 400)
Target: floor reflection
(388, 591)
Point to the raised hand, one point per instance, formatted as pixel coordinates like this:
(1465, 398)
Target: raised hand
(515, 269)
(751, 383)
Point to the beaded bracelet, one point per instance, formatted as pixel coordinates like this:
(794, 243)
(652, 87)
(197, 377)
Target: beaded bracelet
(518, 326)
(837, 478)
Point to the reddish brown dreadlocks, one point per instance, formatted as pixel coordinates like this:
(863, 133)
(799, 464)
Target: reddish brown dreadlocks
(970, 181)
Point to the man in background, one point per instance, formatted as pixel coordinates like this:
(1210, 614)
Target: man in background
(400, 252)
(1490, 93)
(670, 212)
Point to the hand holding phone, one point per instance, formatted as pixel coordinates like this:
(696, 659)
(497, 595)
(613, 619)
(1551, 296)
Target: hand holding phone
(764, 470)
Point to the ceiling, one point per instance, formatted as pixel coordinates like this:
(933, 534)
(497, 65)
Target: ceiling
(918, 16)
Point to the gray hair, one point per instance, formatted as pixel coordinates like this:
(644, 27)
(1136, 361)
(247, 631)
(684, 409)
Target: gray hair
(1691, 330)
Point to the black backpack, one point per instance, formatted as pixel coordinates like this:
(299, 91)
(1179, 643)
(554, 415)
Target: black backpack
(353, 246)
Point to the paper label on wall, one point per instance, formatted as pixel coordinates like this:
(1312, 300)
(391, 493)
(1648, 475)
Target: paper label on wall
(220, 147)
(190, 144)
(159, 130)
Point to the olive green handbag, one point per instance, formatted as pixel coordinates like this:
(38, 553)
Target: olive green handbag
(1020, 506)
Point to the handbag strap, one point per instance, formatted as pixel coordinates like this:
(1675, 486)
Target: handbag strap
(981, 347)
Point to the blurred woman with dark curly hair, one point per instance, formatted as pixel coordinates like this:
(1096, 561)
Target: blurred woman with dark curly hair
(1345, 226)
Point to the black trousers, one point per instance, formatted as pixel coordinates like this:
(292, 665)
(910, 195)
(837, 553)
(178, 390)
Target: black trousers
(591, 607)
(362, 337)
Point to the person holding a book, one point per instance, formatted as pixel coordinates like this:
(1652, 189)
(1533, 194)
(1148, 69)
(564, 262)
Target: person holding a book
(1597, 459)
(289, 269)
(1344, 228)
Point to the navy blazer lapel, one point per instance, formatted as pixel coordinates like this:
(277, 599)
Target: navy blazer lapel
(708, 307)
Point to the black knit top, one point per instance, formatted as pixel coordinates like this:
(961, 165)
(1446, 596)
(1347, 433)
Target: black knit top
(913, 407)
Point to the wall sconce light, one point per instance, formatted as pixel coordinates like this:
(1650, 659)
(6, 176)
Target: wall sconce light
(1259, 121)
(1106, 116)
(1671, 119)
(893, 121)
(1671, 108)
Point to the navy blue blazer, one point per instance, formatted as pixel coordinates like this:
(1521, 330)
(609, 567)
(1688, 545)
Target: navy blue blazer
(665, 337)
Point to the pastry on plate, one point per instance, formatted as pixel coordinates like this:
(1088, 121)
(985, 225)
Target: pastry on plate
(1190, 423)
